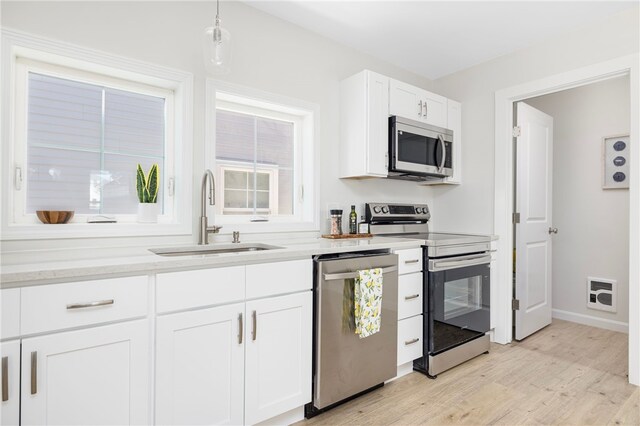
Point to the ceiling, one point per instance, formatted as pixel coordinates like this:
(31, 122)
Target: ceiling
(437, 38)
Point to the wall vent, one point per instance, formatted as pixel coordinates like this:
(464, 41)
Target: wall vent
(601, 294)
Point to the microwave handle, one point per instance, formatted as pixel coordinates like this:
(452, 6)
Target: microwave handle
(444, 153)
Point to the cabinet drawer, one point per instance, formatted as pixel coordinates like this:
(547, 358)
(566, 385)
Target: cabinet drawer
(409, 260)
(59, 306)
(203, 287)
(10, 310)
(409, 339)
(268, 279)
(409, 295)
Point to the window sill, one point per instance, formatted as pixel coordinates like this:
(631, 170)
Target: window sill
(40, 231)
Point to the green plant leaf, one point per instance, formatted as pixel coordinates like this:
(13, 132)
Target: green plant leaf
(152, 183)
(140, 183)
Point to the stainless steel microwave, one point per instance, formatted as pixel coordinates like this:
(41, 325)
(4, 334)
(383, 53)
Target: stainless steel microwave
(419, 151)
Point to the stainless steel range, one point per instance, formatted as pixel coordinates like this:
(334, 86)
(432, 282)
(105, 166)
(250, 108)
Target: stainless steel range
(456, 284)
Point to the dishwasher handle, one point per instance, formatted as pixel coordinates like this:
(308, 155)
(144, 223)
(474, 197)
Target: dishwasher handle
(354, 274)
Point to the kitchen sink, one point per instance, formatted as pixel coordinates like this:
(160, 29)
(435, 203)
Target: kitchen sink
(211, 249)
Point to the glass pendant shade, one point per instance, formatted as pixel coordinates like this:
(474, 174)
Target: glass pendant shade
(217, 49)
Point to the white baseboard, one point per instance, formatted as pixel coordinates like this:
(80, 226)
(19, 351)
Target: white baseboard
(288, 418)
(607, 324)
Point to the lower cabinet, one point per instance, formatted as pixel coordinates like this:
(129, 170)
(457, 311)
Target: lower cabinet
(200, 365)
(93, 376)
(278, 355)
(10, 379)
(234, 364)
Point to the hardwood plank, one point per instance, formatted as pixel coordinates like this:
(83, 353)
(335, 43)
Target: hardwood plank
(566, 373)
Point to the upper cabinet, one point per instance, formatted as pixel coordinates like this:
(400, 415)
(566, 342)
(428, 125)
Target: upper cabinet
(364, 125)
(417, 104)
(367, 100)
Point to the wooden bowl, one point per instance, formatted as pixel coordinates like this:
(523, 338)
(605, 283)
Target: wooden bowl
(54, 216)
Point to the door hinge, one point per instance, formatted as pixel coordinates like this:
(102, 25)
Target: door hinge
(515, 304)
(516, 132)
(516, 218)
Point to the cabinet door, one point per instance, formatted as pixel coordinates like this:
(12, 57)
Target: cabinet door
(435, 111)
(93, 376)
(10, 379)
(377, 124)
(200, 367)
(278, 355)
(406, 100)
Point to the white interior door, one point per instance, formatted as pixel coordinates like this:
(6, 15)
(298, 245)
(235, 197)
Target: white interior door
(533, 238)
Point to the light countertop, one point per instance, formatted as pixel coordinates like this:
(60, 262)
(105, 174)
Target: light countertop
(140, 261)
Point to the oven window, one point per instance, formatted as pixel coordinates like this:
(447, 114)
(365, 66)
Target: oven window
(462, 296)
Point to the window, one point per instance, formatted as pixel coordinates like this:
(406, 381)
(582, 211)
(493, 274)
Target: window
(264, 158)
(84, 142)
(80, 122)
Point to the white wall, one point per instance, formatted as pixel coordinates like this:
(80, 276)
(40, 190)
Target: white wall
(268, 54)
(469, 207)
(593, 223)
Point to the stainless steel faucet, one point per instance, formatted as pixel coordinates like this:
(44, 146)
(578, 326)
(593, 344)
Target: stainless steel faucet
(204, 221)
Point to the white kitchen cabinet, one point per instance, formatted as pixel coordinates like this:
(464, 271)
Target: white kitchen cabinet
(417, 104)
(278, 355)
(200, 365)
(93, 376)
(364, 125)
(10, 379)
(10, 313)
(454, 122)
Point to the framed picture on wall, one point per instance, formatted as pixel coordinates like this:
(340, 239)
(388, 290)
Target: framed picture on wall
(615, 155)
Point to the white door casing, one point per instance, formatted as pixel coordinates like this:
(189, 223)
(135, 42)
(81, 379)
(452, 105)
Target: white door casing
(534, 159)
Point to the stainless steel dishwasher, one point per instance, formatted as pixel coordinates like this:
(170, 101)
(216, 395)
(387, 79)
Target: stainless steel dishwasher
(344, 364)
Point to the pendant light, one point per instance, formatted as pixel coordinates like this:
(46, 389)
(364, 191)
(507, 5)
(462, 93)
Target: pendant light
(217, 46)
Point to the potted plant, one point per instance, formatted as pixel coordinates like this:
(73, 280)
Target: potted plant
(147, 188)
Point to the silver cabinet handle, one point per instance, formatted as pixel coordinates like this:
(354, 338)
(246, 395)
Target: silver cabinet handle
(5, 378)
(413, 296)
(352, 275)
(412, 341)
(425, 108)
(34, 372)
(255, 325)
(408, 262)
(90, 304)
(420, 108)
(553, 230)
(240, 327)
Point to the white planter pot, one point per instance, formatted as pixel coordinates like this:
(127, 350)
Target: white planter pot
(148, 212)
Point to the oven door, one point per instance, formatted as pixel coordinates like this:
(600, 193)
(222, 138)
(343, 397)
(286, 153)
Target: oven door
(459, 293)
(420, 151)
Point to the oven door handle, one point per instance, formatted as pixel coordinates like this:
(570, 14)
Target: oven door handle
(354, 275)
(436, 265)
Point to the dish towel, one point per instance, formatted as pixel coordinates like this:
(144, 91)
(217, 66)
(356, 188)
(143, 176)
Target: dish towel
(368, 302)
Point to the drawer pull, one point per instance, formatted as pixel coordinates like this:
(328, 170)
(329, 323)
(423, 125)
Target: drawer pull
(240, 327)
(5, 378)
(412, 341)
(34, 372)
(408, 262)
(413, 296)
(90, 304)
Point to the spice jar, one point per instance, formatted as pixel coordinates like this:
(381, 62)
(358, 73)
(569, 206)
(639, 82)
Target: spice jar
(336, 222)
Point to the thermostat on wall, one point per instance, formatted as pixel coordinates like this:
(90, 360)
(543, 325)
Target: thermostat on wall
(616, 162)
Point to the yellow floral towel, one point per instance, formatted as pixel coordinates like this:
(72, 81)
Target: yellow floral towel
(368, 302)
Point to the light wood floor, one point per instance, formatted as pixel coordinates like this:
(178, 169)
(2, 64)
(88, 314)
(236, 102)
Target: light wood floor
(566, 373)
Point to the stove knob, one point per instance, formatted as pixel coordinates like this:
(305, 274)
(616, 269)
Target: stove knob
(385, 209)
(418, 210)
(376, 209)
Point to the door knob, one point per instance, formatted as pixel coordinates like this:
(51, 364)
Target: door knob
(553, 230)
